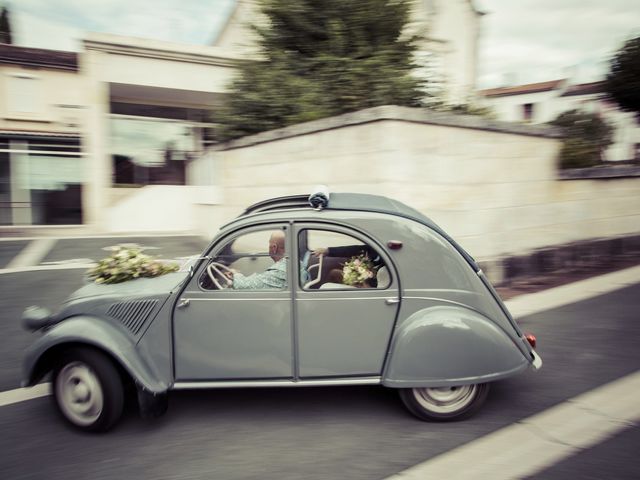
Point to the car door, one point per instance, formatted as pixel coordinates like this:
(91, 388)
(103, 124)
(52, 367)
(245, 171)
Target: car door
(229, 333)
(342, 330)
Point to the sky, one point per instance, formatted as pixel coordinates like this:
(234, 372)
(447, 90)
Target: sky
(527, 41)
(59, 24)
(522, 41)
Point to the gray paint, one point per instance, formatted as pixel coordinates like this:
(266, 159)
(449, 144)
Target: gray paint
(163, 284)
(447, 329)
(344, 333)
(157, 342)
(450, 345)
(233, 335)
(106, 336)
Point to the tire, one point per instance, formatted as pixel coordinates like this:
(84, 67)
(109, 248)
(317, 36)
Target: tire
(88, 390)
(444, 404)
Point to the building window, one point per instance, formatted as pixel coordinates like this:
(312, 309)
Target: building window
(527, 112)
(24, 95)
(41, 181)
(152, 151)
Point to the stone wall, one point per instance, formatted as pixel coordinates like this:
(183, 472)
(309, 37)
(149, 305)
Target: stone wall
(493, 186)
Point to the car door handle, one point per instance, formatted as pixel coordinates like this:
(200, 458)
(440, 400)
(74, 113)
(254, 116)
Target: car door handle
(392, 301)
(183, 302)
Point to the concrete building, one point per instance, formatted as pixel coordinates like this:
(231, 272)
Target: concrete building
(542, 102)
(450, 31)
(118, 137)
(79, 133)
(494, 186)
(148, 117)
(42, 166)
(115, 128)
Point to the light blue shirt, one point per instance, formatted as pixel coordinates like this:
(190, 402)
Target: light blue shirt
(273, 278)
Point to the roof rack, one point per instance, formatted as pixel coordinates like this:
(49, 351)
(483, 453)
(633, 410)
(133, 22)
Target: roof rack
(279, 203)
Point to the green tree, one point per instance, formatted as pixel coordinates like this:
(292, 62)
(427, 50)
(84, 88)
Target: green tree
(5, 27)
(623, 80)
(320, 58)
(586, 136)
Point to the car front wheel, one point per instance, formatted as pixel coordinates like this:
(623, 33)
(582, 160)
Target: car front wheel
(88, 390)
(444, 404)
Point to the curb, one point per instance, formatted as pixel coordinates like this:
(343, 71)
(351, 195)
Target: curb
(532, 303)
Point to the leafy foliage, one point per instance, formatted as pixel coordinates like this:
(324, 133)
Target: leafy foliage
(127, 262)
(623, 80)
(586, 137)
(321, 58)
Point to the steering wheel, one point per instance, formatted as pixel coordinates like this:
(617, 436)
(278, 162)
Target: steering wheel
(217, 271)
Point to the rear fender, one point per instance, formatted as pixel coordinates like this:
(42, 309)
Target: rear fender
(40, 357)
(449, 345)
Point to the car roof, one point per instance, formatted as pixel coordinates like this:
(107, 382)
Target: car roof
(362, 202)
(343, 201)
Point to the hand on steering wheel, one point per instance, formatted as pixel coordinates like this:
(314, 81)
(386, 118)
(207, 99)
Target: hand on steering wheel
(222, 272)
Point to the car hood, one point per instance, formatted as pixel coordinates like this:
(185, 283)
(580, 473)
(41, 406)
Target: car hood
(162, 285)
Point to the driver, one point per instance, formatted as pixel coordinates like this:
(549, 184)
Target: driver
(274, 277)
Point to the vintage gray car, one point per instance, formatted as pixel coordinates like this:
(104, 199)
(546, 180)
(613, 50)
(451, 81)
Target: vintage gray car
(340, 289)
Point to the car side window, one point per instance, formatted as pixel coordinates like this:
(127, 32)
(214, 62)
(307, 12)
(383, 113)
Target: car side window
(333, 261)
(253, 261)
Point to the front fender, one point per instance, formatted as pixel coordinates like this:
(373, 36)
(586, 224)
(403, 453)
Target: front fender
(84, 330)
(446, 345)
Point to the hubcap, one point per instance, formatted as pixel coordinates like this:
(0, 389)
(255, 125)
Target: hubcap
(445, 399)
(79, 393)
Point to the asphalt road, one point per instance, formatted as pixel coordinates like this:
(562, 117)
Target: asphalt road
(315, 433)
(92, 248)
(48, 288)
(9, 249)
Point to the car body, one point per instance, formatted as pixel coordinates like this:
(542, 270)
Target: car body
(428, 323)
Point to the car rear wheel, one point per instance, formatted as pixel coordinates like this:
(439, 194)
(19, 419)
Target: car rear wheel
(88, 390)
(444, 403)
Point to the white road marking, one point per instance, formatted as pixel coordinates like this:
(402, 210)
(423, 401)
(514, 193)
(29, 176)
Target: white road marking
(33, 253)
(70, 261)
(37, 268)
(98, 236)
(22, 394)
(530, 445)
(573, 292)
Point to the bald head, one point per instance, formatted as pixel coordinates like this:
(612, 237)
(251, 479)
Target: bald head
(276, 245)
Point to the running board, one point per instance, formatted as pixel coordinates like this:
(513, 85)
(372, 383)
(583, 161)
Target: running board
(277, 383)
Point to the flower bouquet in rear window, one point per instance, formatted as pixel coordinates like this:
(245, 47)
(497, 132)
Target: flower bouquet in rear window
(358, 272)
(127, 262)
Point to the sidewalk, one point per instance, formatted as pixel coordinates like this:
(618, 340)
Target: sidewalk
(552, 279)
(535, 443)
(539, 301)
